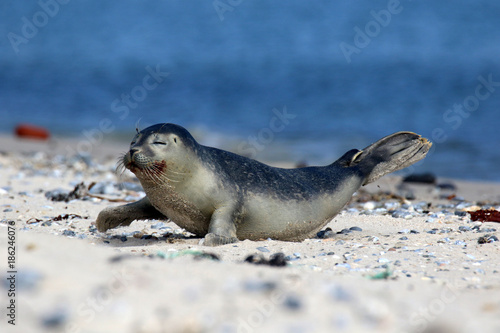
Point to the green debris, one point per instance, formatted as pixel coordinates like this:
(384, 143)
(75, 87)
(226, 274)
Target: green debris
(195, 253)
(382, 275)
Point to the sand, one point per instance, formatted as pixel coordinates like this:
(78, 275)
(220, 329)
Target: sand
(395, 275)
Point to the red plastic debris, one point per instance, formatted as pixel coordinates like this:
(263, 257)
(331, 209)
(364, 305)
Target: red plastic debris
(485, 215)
(29, 131)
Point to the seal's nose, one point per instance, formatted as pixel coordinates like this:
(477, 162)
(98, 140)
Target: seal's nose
(132, 152)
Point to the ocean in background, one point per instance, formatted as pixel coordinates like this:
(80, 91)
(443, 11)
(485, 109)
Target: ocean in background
(294, 81)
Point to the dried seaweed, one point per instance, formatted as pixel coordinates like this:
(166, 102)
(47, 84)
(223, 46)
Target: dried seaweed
(485, 215)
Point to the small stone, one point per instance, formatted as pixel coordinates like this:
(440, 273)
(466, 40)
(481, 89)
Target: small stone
(464, 228)
(392, 205)
(460, 213)
(7, 210)
(340, 242)
(263, 249)
(355, 229)
(487, 239)
(461, 243)
(404, 231)
(402, 214)
(327, 233)
(383, 260)
(292, 302)
(444, 240)
(423, 178)
(123, 238)
(159, 225)
(69, 233)
(56, 319)
(447, 186)
(344, 231)
(370, 205)
(414, 232)
(380, 211)
(404, 238)
(373, 239)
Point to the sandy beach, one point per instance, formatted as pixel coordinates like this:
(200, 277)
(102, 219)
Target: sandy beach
(401, 257)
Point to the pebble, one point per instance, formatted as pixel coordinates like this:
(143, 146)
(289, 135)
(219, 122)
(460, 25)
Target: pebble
(464, 228)
(370, 205)
(26, 279)
(340, 242)
(56, 319)
(404, 238)
(340, 294)
(344, 231)
(106, 188)
(487, 239)
(69, 233)
(461, 243)
(404, 231)
(355, 229)
(263, 249)
(3, 192)
(327, 233)
(392, 205)
(259, 286)
(159, 225)
(292, 302)
(402, 214)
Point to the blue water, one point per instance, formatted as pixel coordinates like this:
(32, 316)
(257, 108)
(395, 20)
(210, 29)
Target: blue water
(234, 65)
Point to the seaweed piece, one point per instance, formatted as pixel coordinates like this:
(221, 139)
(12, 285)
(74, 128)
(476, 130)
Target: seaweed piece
(484, 215)
(276, 260)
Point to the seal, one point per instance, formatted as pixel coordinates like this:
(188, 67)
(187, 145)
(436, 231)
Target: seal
(226, 197)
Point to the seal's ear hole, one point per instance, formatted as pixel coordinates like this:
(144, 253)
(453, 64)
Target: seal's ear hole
(175, 139)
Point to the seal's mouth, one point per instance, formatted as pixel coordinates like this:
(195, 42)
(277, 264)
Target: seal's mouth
(138, 163)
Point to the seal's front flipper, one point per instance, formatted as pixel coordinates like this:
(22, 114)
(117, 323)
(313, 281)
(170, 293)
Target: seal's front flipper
(391, 153)
(222, 228)
(113, 217)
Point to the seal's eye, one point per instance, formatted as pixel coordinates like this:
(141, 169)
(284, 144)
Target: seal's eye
(160, 143)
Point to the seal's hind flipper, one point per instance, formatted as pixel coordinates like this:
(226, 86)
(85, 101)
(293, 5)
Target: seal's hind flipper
(391, 153)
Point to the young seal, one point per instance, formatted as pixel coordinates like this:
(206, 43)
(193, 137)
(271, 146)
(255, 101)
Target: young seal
(226, 197)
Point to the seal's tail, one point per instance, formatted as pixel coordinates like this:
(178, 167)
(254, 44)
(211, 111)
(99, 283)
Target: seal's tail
(391, 153)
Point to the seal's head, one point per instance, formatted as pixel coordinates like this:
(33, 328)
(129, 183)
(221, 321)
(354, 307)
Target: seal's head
(161, 154)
